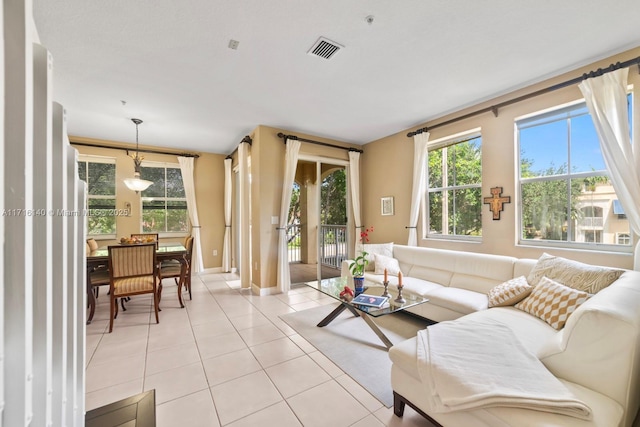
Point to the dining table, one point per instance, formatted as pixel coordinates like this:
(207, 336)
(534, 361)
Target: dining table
(165, 251)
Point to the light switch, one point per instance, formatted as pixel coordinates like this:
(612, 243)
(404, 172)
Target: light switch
(275, 220)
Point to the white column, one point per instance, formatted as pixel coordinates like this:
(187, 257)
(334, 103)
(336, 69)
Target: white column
(42, 220)
(18, 172)
(72, 277)
(81, 306)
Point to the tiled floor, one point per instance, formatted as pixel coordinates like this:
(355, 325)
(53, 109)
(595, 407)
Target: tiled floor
(225, 360)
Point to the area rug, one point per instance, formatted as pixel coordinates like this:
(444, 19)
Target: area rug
(354, 347)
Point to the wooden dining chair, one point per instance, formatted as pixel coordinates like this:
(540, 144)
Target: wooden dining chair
(179, 270)
(133, 270)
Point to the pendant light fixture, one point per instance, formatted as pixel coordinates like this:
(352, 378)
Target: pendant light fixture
(136, 183)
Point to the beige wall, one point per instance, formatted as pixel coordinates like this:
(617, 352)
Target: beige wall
(267, 170)
(209, 182)
(388, 164)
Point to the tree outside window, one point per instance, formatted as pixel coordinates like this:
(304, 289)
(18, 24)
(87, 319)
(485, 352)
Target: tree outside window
(565, 193)
(454, 188)
(164, 203)
(100, 176)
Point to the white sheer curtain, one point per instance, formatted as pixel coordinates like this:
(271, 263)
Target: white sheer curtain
(290, 165)
(420, 141)
(226, 243)
(245, 206)
(606, 98)
(354, 185)
(186, 168)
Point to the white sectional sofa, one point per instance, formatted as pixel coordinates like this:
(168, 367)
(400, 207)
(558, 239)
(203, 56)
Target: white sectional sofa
(596, 355)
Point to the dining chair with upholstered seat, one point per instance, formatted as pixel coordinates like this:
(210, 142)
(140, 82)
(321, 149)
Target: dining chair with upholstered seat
(133, 270)
(179, 270)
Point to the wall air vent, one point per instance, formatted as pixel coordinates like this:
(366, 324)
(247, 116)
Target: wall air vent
(324, 48)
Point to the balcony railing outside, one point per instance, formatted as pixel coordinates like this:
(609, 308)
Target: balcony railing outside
(591, 222)
(333, 244)
(293, 243)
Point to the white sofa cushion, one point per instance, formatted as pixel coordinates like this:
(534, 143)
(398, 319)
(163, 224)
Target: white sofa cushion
(388, 263)
(385, 249)
(459, 300)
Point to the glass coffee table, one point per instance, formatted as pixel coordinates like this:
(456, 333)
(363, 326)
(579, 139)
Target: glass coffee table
(332, 287)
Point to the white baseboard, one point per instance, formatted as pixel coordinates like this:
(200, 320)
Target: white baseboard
(256, 290)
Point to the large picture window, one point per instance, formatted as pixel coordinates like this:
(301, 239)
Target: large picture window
(100, 175)
(566, 197)
(454, 187)
(164, 203)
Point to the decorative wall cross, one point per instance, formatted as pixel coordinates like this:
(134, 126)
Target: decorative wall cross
(496, 201)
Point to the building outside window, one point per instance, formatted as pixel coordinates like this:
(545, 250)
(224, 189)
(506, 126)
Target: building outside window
(100, 175)
(566, 197)
(454, 205)
(164, 203)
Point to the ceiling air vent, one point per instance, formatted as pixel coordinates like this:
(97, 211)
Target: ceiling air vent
(324, 48)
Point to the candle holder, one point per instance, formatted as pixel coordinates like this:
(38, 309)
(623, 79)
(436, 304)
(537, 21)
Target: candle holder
(400, 299)
(386, 290)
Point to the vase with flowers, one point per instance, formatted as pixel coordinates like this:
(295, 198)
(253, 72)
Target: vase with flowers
(360, 263)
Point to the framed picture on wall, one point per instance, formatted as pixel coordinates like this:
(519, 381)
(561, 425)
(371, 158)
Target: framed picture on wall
(386, 204)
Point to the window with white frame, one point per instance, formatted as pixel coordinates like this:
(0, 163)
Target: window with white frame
(164, 203)
(100, 175)
(565, 195)
(454, 205)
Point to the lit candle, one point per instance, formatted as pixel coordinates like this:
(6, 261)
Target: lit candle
(385, 275)
(400, 278)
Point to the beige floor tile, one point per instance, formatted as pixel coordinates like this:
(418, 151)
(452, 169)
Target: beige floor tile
(238, 398)
(118, 371)
(177, 382)
(160, 338)
(221, 344)
(302, 343)
(212, 329)
(193, 410)
(249, 321)
(107, 395)
(356, 390)
(279, 415)
(274, 352)
(229, 366)
(369, 421)
(171, 357)
(326, 364)
(327, 405)
(260, 334)
(297, 375)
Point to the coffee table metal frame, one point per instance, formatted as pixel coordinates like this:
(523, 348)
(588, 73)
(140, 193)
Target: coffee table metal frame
(334, 286)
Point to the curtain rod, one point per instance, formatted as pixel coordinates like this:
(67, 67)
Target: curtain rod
(87, 144)
(494, 108)
(246, 139)
(326, 144)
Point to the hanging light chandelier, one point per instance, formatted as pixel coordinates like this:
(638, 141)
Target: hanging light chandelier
(136, 183)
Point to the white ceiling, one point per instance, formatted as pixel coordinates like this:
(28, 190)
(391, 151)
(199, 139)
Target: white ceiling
(419, 59)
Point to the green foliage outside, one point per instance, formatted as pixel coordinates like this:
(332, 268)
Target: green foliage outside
(101, 183)
(454, 187)
(164, 208)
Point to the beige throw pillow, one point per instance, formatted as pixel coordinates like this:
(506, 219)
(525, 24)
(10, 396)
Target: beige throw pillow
(552, 302)
(391, 264)
(371, 249)
(584, 277)
(509, 292)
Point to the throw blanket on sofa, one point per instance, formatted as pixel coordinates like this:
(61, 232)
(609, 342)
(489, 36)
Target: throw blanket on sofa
(480, 365)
